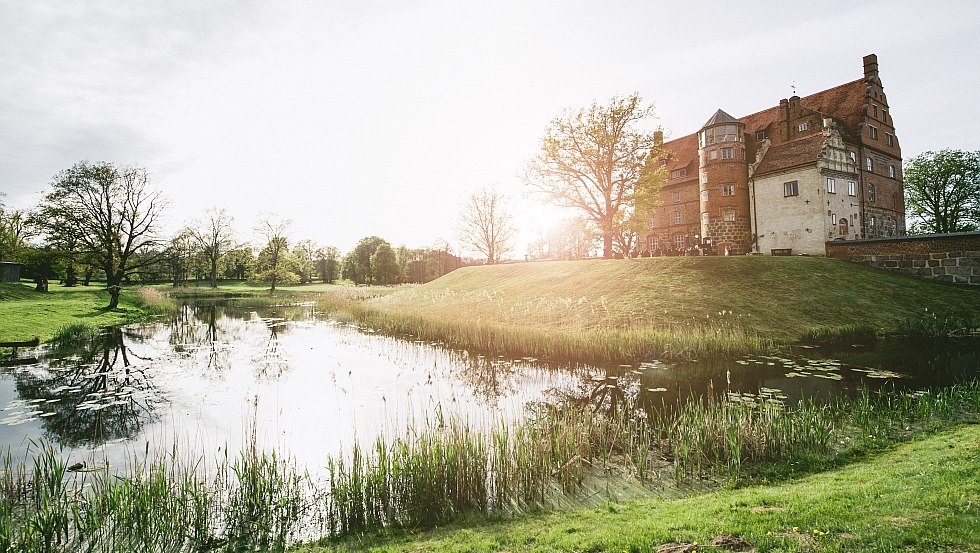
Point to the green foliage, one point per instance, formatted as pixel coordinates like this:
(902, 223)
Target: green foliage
(942, 191)
(384, 265)
(595, 160)
(357, 265)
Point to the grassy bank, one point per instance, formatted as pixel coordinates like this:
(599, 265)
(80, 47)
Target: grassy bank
(25, 313)
(631, 310)
(447, 471)
(920, 496)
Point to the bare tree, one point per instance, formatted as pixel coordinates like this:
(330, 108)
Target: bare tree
(485, 223)
(214, 238)
(594, 160)
(273, 256)
(113, 212)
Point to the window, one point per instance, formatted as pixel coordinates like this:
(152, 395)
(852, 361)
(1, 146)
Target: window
(870, 164)
(728, 190)
(704, 177)
(889, 139)
(704, 196)
(831, 186)
(729, 215)
(891, 171)
(721, 133)
(652, 243)
(713, 154)
(791, 188)
(678, 173)
(833, 218)
(678, 218)
(760, 136)
(874, 109)
(871, 222)
(851, 188)
(675, 196)
(727, 153)
(801, 127)
(873, 132)
(871, 193)
(854, 157)
(705, 219)
(884, 114)
(679, 241)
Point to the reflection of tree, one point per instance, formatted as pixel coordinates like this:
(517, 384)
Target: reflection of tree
(94, 396)
(604, 391)
(269, 361)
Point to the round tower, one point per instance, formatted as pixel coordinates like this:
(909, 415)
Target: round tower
(724, 177)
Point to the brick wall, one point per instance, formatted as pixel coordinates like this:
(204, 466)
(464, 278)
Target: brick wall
(946, 257)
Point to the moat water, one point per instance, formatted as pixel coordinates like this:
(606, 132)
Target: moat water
(216, 377)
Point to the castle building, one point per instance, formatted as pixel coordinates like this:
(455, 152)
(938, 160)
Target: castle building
(787, 179)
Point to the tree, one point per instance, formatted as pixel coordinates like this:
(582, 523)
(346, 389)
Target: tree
(384, 265)
(485, 223)
(13, 232)
(303, 256)
(214, 238)
(357, 263)
(595, 160)
(328, 263)
(272, 259)
(238, 263)
(113, 213)
(942, 191)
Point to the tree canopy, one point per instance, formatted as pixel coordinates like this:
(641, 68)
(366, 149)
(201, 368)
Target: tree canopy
(113, 214)
(942, 191)
(595, 160)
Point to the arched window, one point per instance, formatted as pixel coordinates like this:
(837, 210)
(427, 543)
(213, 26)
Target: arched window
(871, 193)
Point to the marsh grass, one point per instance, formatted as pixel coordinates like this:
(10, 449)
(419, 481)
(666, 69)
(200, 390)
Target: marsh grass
(930, 325)
(840, 335)
(444, 470)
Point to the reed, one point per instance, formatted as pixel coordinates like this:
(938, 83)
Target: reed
(442, 470)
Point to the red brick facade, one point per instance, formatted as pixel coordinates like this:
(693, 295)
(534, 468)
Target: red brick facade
(778, 141)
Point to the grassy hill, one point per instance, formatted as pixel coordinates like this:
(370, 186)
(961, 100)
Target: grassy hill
(777, 297)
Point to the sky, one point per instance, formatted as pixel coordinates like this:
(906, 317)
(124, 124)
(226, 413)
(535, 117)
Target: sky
(358, 118)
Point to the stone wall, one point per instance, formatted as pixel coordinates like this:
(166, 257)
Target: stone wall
(947, 257)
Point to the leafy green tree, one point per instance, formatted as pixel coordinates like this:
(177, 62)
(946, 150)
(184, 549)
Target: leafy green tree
(13, 232)
(271, 265)
(594, 160)
(303, 260)
(113, 212)
(214, 237)
(942, 191)
(328, 263)
(384, 265)
(357, 263)
(238, 262)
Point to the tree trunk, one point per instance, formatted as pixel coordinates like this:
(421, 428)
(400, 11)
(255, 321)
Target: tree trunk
(214, 273)
(113, 297)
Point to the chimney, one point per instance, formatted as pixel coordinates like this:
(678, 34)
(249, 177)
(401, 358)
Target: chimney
(870, 66)
(658, 138)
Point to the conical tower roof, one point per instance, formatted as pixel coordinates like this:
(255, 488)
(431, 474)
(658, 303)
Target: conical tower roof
(720, 118)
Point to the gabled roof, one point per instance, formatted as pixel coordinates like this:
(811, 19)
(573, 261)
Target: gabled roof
(719, 118)
(794, 153)
(684, 150)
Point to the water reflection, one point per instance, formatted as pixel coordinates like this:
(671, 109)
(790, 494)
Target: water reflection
(89, 396)
(314, 386)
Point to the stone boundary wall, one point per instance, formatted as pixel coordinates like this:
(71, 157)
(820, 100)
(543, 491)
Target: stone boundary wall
(951, 257)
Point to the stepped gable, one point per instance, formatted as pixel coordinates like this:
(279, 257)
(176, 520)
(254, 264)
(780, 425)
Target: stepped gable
(844, 103)
(801, 151)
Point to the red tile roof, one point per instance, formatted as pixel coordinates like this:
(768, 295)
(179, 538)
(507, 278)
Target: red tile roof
(794, 153)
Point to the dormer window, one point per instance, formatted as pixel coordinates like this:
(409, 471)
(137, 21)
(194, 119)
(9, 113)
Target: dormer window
(760, 136)
(801, 127)
(678, 173)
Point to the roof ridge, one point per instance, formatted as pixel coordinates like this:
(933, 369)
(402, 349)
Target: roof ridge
(806, 97)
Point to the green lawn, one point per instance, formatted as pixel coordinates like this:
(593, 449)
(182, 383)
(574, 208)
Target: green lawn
(25, 313)
(921, 496)
(778, 297)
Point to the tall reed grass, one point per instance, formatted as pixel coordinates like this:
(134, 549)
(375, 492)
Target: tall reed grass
(440, 471)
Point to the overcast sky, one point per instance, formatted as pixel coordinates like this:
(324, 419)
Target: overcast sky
(357, 118)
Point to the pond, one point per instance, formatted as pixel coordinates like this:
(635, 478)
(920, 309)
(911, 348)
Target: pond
(218, 376)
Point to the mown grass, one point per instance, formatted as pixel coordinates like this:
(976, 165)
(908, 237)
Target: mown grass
(447, 471)
(25, 313)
